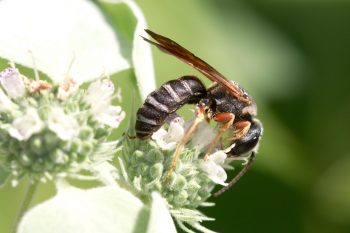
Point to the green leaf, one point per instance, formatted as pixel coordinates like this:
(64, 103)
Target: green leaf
(141, 54)
(59, 33)
(108, 210)
(4, 174)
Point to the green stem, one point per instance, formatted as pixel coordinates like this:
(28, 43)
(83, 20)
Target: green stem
(28, 197)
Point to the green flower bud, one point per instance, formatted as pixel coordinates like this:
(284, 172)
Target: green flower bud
(76, 145)
(156, 171)
(137, 157)
(86, 133)
(181, 198)
(87, 148)
(180, 183)
(193, 187)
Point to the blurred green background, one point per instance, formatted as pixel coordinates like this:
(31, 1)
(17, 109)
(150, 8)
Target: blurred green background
(294, 59)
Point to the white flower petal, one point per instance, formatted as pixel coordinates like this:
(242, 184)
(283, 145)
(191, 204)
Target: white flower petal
(220, 176)
(176, 130)
(99, 95)
(213, 167)
(203, 136)
(100, 89)
(67, 88)
(218, 157)
(56, 32)
(168, 140)
(160, 133)
(5, 102)
(66, 127)
(111, 116)
(24, 127)
(160, 218)
(12, 82)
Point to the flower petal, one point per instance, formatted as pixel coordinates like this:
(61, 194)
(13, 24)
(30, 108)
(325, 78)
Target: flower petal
(218, 157)
(12, 82)
(5, 102)
(24, 127)
(111, 116)
(213, 167)
(66, 127)
(203, 136)
(168, 140)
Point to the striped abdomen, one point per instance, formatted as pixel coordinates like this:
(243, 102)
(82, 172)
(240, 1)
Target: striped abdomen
(166, 100)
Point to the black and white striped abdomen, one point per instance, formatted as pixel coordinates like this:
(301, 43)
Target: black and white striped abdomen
(166, 100)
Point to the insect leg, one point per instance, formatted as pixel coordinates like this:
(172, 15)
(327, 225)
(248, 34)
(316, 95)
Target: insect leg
(241, 129)
(238, 176)
(200, 116)
(227, 119)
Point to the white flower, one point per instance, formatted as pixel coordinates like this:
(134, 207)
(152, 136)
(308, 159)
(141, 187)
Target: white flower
(24, 127)
(111, 116)
(168, 140)
(99, 96)
(65, 126)
(213, 166)
(67, 88)
(5, 102)
(12, 82)
(203, 136)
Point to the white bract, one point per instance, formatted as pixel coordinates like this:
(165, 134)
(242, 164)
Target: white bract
(57, 32)
(141, 53)
(167, 140)
(24, 127)
(213, 167)
(160, 218)
(12, 82)
(72, 210)
(65, 126)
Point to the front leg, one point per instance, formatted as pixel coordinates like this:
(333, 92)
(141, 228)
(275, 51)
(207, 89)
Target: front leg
(200, 116)
(241, 129)
(227, 119)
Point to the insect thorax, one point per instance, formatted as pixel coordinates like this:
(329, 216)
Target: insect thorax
(225, 102)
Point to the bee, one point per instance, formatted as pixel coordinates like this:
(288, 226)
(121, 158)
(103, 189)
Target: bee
(224, 102)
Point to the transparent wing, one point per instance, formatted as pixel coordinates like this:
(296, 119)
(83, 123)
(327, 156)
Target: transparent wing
(171, 47)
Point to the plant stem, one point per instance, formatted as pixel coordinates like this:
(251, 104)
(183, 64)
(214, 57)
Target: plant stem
(28, 197)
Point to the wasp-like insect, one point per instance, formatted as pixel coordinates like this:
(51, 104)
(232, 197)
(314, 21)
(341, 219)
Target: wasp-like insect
(225, 102)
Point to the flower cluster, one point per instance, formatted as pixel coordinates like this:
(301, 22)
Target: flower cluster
(50, 130)
(144, 165)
